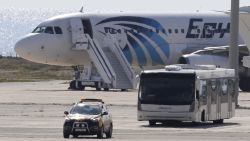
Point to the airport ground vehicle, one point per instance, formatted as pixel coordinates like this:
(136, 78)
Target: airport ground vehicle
(88, 117)
(184, 93)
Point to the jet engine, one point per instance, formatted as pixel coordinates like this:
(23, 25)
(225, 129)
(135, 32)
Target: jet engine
(219, 56)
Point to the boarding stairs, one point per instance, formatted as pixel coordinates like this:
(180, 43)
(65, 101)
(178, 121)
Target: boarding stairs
(108, 59)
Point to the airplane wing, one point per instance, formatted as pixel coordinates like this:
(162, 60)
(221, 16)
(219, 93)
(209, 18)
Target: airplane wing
(212, 56)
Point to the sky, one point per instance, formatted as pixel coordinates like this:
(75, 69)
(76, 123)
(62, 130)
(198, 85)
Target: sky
(125, 5)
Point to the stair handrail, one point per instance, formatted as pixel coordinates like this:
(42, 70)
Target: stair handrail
(126, 65)
(103, 61)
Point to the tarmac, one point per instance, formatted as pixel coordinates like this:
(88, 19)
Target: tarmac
(32, 111)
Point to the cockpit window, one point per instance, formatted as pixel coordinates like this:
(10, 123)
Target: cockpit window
(44, 29)
(49, 30)
(58, 30)
(39, 29)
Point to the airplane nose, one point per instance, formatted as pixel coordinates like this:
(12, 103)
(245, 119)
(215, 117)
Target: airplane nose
(20, 48)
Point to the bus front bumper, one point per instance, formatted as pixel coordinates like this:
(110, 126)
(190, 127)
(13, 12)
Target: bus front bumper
(164, 116)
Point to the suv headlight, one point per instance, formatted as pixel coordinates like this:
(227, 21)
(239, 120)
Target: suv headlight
(95, 119)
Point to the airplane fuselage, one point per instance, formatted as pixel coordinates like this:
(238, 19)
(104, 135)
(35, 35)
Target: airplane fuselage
(145, 39)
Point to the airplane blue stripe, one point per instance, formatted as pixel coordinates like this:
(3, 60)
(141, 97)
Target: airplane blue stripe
(164, 46)
(151, 50)
(127, 54)
(147, 21)
(138, 50)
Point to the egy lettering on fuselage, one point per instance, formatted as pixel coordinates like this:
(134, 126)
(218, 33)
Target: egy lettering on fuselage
(145, 39)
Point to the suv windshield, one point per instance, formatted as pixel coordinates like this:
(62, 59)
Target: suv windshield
(86, 109)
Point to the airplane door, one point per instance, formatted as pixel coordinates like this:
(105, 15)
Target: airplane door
(79, 39)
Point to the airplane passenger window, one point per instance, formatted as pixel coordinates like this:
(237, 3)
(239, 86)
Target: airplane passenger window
(163, 31)
(49, 30)
(176, 30)
(170, 31)
(182, 31)
(58, 30)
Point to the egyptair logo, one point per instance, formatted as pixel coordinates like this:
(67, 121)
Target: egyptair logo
(145, 36)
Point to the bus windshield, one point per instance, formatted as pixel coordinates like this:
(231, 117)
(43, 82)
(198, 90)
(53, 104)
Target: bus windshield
(167, 89)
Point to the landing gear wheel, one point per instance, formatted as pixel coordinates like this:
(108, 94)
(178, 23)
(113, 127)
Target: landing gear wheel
(66, 134)
(109, 133)
(72, 85)
(219, 121)
(106, 89)
(152, 123)
(244, 84)
(100, 133)
(98, 89)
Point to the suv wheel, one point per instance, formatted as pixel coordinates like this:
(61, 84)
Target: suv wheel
(152, 123)
(66, 134)
(109, 133)
(75, 135)
(100, 133)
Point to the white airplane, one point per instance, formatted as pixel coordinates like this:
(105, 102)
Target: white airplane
(145, 40)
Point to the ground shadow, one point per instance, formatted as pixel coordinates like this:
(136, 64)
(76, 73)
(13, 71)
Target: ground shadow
(191, 125)
(117, 91)
(48, 90)
(88, 137)
(69, 90)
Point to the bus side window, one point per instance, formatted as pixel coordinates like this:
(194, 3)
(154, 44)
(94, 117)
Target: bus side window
(203, 88)
(224, 86)
(203, 92)
(213, 85)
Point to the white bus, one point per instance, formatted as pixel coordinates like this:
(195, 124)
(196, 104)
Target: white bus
(203, 93)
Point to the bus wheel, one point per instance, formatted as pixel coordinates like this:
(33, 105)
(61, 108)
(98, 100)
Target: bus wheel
(81, 87)
(219, 121)
(106, 89)
(98, 89)
(123, 90)
(152, 123)
(203, 116)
